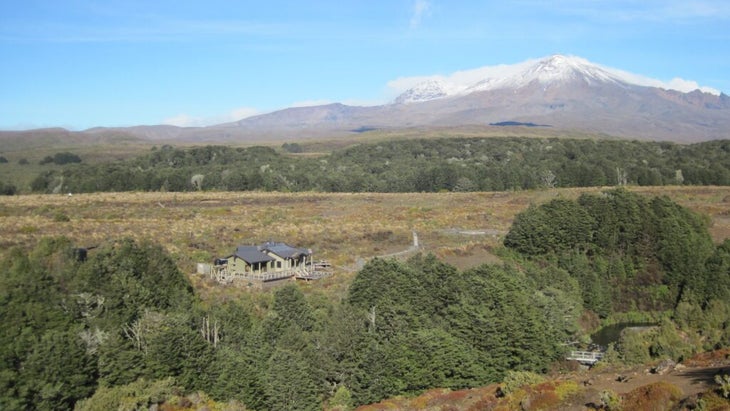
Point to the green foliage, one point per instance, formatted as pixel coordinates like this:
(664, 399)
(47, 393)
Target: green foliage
(610, 400)
(131, 277)
(420, 165)
(479, 324)
(140, 394)
(61, 218)
(626, 251)
(58, 371)
(79, 324)
(292, 148)
(7, 189)
(724, 382)
(292, 308)
(667, 342)
(289, 382)
(61, 158)
(342, 400)
(682, 244)
(125, 326)
(717, 270)
(238, 373)
(709, 323)
(514, 380)
(560, 225)
(174, 348)
(635, 346)
(611, 355)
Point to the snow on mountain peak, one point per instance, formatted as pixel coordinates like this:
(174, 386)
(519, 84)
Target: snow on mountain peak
(425, 91)
(547, 71)
(559, 68)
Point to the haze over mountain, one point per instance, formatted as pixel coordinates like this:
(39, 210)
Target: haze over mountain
(561, 92)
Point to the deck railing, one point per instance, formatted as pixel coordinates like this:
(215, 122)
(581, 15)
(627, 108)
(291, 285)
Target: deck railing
(585, 357)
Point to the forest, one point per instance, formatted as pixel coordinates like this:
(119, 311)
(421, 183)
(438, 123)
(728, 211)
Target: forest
(123, 328)
(417, 165)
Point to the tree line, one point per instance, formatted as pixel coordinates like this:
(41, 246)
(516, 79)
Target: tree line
(419, 165)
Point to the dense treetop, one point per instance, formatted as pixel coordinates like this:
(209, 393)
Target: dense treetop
(627, 251)
(419, 165)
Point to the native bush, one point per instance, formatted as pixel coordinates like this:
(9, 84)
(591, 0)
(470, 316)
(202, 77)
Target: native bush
(414, 165)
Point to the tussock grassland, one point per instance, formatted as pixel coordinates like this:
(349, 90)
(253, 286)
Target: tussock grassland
(461, 228)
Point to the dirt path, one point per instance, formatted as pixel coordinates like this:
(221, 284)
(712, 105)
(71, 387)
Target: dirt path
(691, 380)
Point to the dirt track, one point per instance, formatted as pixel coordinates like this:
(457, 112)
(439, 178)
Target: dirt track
(690, 380)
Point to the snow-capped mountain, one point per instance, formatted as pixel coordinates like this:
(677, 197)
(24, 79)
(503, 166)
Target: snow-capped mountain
(553, 70)
(548, 71)
(566, 93)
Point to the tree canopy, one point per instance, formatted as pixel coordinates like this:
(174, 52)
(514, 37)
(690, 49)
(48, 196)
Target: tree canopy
(418, 165)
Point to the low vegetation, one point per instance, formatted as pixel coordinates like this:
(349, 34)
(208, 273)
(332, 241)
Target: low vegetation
(418, 165)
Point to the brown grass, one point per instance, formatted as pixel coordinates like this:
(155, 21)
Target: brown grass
(657, 396)
(462, 228)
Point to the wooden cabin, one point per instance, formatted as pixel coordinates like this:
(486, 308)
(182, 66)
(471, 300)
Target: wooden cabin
(271, 259)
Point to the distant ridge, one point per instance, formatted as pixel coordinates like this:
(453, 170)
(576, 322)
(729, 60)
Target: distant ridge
(562, 92)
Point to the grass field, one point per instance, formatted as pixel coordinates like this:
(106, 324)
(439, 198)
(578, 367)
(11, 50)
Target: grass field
(461, 228)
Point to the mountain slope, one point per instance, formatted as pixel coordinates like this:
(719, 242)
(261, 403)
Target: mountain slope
(566, 93)
(563, 92)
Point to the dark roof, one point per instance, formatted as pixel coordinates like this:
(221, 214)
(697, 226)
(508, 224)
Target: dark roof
(284, 250)
(251, 254)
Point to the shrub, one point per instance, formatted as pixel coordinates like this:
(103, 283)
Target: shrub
(724, 382)
(7, 189)
(342, 400)
(140, 394)
(566, 389)
(292, 148)
(516, 379)
(610, 400)
(61, 159)
(61, 217)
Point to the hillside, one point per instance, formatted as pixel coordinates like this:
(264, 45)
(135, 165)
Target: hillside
(420, 322)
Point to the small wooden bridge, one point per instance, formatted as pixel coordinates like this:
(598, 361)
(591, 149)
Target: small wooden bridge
(585, 357)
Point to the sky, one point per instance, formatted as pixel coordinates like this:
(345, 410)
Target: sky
(81, 63)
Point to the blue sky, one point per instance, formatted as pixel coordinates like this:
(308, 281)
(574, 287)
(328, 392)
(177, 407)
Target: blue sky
(81, 63)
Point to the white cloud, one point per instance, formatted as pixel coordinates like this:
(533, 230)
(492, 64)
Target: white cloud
(459, 80)
(421, 8)
(688, 85)
(242, 112)
(186, 120)
(677, 83)
(182, 120)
